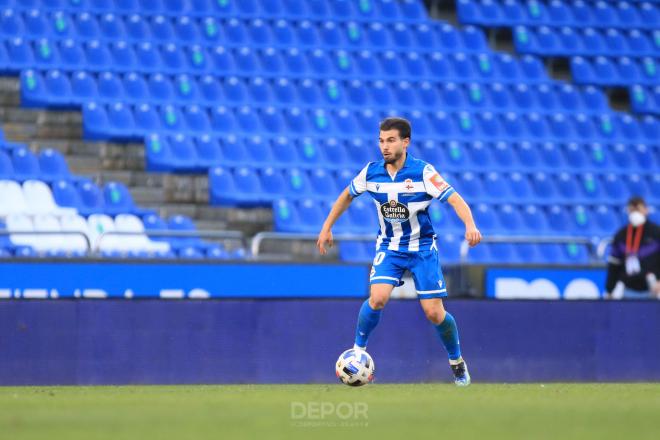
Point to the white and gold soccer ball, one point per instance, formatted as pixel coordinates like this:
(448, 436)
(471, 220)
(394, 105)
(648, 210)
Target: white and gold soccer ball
(355, 368)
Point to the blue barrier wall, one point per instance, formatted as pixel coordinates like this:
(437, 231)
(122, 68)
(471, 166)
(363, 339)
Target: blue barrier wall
(147, 279)
(273, 341)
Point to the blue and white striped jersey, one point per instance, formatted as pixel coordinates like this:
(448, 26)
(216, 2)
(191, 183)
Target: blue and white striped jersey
(402, 202)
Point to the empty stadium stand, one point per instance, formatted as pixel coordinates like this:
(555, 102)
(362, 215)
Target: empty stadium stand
(278, 102)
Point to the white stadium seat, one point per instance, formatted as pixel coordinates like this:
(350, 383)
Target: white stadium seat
(23, 223)
(139, 241)
(98, 224)
(47, 242)
(12, 200)
(39, 199)
(74, 223)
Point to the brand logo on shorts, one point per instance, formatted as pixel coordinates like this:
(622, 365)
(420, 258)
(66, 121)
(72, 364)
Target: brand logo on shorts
(394, 212)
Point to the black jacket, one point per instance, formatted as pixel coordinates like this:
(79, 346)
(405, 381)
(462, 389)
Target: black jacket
(649, 258)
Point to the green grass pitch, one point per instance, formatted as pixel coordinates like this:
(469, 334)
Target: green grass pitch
(377, 411)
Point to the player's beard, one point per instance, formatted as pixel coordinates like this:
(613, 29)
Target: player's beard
(393, 158)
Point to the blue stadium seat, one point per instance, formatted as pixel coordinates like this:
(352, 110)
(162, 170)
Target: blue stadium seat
(248, 186)
(284, 151)
(615, 188)
(450, 156)
(208, 151)
(363, 217)
(118, 200)
(25, 164)
(192, 246)
(111, 26)
(496, 187)
(97, 55)
(520, 186)
(149, 56)
(91, 198)
(273, 182)
(120, 119)
(605, 220)
(136, 27)
(535, 220)
(6, 167)
(66, 194)
(298, 184)
(486, 218)
(52, 165)
(20, 53)
(469, 185)
(508, 218)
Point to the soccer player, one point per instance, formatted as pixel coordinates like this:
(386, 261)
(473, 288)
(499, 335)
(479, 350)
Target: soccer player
(402, 188)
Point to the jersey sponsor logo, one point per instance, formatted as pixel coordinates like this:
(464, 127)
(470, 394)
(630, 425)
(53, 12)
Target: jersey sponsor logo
(439, 182)
(394, 212)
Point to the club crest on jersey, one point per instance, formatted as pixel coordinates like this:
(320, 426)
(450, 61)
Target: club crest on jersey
(409, 185)
(394, 212)
(439, 182)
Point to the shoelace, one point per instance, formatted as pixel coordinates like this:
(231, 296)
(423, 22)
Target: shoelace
(459, 369)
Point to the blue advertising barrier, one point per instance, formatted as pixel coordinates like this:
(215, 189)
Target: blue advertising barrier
(140, 279)
(284, 340)
(545, 283)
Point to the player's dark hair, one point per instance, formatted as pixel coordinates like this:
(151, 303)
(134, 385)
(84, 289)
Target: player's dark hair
(636, 201)
(399, 124)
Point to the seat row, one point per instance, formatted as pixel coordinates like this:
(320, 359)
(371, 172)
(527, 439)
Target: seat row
(566, 41)
(181, 152)
(487, 253)
(58, 88)
(19, 163)
(307, 215)
(81, 195)
(244, 185)
(236, 32)
(575, 13)
(645, 99)
(381, 10)
(124, 121)
(125, 235)
(609, 71)
(18, 54)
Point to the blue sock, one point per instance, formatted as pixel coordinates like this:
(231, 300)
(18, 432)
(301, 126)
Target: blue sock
(367, 321)
(448, 333)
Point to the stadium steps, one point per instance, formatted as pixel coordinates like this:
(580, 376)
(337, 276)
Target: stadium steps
(168, 194)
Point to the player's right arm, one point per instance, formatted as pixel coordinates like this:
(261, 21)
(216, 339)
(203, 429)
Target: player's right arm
(357, 186)
(338, 208)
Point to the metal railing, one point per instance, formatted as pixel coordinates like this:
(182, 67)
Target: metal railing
(557, 239)
(94, 248)
(260, 237)
(88, 243)
(602, 247)
(204, 233)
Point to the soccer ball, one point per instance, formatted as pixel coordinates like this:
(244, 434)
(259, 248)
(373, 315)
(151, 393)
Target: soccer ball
(355, 368)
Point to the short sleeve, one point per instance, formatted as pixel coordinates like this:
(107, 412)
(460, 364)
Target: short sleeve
(359, 184)
(436, 186)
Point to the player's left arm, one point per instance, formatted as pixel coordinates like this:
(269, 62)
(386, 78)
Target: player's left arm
(472, 234)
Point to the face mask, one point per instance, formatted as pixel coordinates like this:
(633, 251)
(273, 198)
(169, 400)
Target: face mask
(636, 218)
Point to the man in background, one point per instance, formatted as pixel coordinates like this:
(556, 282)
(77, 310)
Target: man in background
(633, 271)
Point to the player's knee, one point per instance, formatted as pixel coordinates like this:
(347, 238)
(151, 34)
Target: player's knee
(377, 302)
(435, 314)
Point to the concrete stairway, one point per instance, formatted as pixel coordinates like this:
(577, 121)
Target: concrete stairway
(167, 193)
